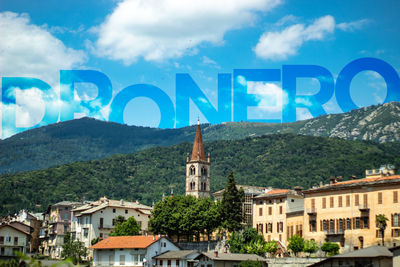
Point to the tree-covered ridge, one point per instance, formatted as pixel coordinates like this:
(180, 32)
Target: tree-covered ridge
(88, 139)
(282, 160)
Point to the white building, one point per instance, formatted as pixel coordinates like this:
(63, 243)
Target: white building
(97, 219)
(130, 250)
(13, 238)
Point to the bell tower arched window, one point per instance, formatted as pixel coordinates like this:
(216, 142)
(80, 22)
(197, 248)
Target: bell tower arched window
(204, 171)
(192, 170)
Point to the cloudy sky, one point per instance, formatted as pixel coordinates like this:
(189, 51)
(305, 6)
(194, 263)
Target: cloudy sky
(151, 41)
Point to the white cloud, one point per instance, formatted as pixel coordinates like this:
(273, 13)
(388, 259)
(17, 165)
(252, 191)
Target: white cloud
(281, 45)
(32, 51)
(270, 100)
(209, 61)
(29, 50)
(353, 25)
(157, 30)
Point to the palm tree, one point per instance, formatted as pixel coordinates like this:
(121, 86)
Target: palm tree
(381, 224)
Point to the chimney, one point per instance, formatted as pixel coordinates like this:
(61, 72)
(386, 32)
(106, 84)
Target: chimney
(216, 254)
(339, 179)
(122, 202)
(353, 177)
(137, 201)
(332, 180)
(298, 189)
(187, 157)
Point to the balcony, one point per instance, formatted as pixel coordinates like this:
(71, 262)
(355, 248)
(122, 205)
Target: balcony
(334, 233)
(312, 211)
(105, 227)
(363, 207)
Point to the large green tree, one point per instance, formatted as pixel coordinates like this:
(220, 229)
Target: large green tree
(296, 244)
(74, 250)
(231, 206)
(126, 228)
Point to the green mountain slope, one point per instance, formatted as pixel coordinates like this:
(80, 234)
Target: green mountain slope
(87, 139)
(282, 160)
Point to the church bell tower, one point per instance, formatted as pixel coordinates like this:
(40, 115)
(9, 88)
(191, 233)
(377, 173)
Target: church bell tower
(198, 169)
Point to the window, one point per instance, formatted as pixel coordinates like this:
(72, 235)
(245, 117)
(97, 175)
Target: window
(169, 262)
(356, 200)
(114, 210)
(113, 222)
(347, 201)
(332, 226)
(340, 202)
(161, 263)
(269, 210)
(15, 240)
(121, 259)
(203, 171)
(324, 225)
(65, 228)
(395, 220)
(177, 263)
(340, 228)
(280, 209)
(111, 260)
(1, 239)
(357, 223)
(126, 211)
(380, 198)
(85, 232)
(313, 226)
(260, 212)
(365, 222)
(313, 204)
(192, 170)
(395, 197)
(324, 203)
(331, 202)
(66, 216)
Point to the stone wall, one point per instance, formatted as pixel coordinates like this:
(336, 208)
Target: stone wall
(292, 262)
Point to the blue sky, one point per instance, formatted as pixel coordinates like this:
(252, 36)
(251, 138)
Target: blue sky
(148, 42)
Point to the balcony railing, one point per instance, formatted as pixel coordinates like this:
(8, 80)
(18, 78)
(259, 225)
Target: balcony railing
(312, 211)
(363, 207)
(332, 233)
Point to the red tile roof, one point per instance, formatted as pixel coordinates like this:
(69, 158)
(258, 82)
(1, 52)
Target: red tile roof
(125, 242)
(366, 180)
(277, 191)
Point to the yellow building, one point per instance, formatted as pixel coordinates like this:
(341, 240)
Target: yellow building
(278, 214)
(345, 212)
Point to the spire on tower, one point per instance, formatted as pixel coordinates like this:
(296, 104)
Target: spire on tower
(198, 147)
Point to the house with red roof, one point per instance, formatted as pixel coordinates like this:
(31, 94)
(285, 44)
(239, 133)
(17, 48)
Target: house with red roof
(130, 250)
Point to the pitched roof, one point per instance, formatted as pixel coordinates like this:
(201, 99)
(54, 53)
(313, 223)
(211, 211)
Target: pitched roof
(198, 146)
(232, 257)
(92, 207)
(117, 242)
(369, 252)
(277, 192)
(15, 228)
(179, 254)
(356, 182)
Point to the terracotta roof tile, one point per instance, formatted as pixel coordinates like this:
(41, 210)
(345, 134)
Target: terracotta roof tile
(366, 180)
(277, 191)
(125, 242)
(198, 147)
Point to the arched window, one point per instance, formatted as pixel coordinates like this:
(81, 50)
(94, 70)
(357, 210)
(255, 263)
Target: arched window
(204, 171)
(340, 229)
(332, 226)
(324, 225)
(192, 185)
(348, 223)
(192, 170)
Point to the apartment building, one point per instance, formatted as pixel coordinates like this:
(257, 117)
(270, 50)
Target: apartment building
(97, 219)
(14, 237)
(345, 212)
(56, 223)
(278, 214)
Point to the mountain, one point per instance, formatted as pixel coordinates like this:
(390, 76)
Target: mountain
(87, 139)
(279, 160)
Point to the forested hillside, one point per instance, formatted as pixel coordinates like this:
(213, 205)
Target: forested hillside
(282, 160)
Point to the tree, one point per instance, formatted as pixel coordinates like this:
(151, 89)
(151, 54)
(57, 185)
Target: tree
(127, 228)
(381, 223)
(74, 250)
(296, 244)
(310, 246)
(249, 242)
(231, 205)
(271, 247)
(330, 248)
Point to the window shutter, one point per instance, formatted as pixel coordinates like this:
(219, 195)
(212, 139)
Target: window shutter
(392, 221)
(377, 233)
(392, 232)
(354, 223)
(321, 225)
